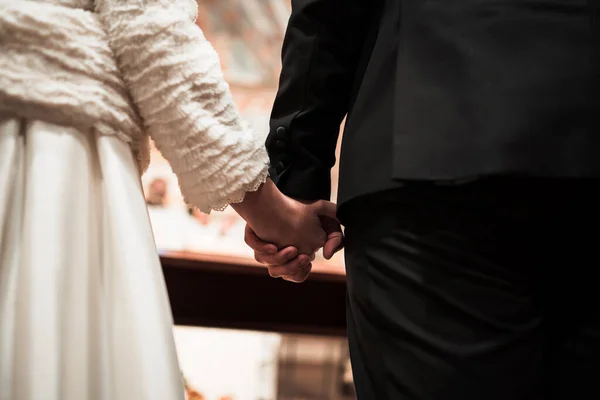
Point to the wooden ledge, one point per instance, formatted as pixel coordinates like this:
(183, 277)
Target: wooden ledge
(238, 293)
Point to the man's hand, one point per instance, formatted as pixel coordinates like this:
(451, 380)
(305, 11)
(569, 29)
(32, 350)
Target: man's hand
(284, 222)
(287, 263)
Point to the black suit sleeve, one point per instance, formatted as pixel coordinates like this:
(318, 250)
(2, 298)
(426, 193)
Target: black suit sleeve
(321, 50)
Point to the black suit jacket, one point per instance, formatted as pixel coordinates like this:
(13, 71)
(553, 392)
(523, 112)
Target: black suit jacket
(435, 90)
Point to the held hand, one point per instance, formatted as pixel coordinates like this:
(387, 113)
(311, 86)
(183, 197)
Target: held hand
(299, 225)
(283, 221)
(287, 263)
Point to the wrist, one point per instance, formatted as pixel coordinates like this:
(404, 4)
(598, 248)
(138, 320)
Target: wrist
(262, 207)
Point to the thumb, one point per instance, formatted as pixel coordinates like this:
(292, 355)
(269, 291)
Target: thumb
(335, 238)
(335, 242)
(326, 209)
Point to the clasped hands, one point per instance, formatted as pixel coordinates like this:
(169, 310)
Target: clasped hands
(286, 233)
(289, 253)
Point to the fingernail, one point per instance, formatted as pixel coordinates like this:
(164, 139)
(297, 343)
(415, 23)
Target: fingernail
(293, 253)
(271, 250)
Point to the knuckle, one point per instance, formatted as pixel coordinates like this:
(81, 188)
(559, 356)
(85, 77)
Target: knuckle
(279, 259)
(297, 266)
(273, 273)
(262, 259)
(290, 270)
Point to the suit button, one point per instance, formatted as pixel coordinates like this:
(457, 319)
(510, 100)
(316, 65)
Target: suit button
(280, 133)
(280, 145)
(279, 167)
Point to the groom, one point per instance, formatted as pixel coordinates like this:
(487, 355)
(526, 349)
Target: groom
(468, 183)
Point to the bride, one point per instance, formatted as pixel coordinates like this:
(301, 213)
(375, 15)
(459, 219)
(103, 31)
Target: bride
(84, 84)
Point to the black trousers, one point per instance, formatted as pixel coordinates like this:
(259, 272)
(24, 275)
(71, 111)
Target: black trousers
(483, 291)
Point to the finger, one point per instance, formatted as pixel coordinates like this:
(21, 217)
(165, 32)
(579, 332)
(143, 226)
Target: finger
(281, 257)
(256, 243)
(335, 242)
(335, 237)
(301, 276)
(326, 209)
(290, 268)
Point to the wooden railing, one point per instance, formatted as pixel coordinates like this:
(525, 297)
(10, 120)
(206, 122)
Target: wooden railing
(237, 293)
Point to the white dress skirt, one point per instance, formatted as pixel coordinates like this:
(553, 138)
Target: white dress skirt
(84, 312)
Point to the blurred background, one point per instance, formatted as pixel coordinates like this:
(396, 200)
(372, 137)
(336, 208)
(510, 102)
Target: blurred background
(240, 334)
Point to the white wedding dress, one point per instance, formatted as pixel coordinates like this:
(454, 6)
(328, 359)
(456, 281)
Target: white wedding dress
(84, 314)
(83, 306)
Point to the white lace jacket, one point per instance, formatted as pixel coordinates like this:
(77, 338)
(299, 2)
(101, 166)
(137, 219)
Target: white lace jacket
(132, 68)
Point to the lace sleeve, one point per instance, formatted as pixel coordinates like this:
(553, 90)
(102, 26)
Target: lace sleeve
(176, 82)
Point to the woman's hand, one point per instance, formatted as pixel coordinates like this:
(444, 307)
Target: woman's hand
(297, 229)
(298, 225)
(277, 219)
(288, 263)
